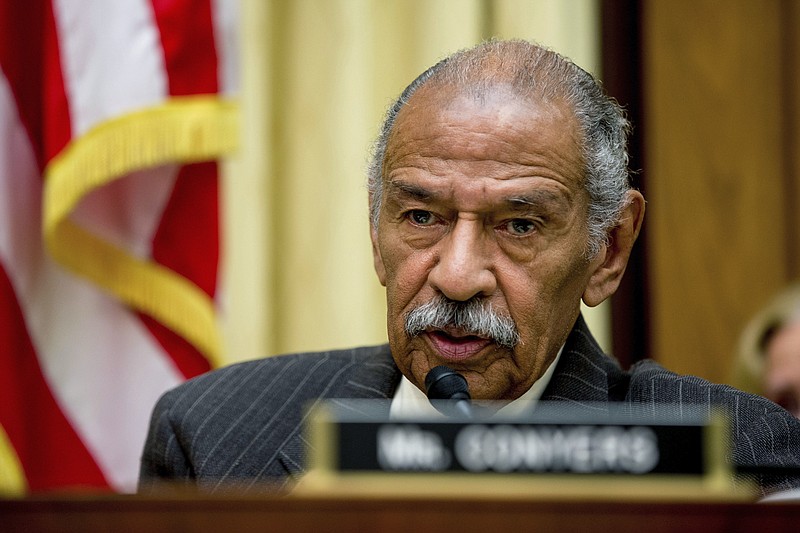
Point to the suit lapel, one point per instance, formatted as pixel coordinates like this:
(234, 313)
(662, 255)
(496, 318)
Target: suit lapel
(374, 376)
(377, 378)
(585, 375)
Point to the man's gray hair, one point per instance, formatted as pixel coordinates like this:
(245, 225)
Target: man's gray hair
(534, 72)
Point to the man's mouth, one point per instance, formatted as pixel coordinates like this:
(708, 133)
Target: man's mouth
(455, 346)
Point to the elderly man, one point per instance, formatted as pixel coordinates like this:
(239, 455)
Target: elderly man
(499, 198)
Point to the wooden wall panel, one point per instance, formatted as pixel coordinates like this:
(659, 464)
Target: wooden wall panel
(719, 157)
(791, 104)
(621, 73)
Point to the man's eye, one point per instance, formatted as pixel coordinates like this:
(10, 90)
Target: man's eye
(520, 226)
(420, 217)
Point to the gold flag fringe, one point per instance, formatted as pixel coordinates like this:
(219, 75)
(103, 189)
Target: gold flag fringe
(182, 130)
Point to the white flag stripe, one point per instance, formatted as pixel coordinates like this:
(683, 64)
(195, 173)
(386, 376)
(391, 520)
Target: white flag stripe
(225, 15)
(20, 187)
(104, 368)
(127, 211)
(111, 58)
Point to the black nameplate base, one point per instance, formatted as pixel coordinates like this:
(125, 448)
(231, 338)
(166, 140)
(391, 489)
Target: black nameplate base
(359, 438)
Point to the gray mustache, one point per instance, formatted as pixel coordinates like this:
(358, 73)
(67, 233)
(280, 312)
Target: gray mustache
(475, 317)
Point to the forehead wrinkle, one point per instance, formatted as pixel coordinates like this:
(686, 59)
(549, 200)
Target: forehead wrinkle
(529, 197)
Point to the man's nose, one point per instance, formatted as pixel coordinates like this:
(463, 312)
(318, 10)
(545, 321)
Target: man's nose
(463, 268)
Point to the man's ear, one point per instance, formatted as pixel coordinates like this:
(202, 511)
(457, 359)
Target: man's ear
(376, 255)
(610, 263)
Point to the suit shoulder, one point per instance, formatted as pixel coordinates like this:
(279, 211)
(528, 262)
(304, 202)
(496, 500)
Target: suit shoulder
(762, 434)
(651, 382)
(275, 377)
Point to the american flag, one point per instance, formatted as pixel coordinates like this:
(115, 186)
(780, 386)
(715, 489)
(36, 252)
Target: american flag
(112, 117)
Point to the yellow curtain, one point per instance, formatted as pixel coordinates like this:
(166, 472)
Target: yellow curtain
(317, 76)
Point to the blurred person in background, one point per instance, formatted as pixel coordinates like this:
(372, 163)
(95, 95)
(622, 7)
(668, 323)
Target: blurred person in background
(769, 351)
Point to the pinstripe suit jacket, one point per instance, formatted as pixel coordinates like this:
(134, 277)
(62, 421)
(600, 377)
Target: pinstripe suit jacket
(243, 425)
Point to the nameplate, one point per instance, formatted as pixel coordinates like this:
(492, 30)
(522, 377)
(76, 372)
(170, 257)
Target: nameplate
(359, 438)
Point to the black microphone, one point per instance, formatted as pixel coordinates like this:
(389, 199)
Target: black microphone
(444, 383)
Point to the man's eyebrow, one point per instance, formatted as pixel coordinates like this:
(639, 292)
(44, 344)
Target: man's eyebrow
(533, 199)
(407, 189)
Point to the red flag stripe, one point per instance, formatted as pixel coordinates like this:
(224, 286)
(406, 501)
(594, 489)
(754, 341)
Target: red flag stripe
(187, 38)
(57, 127)
(187, 239)
(21, 52)
(187, 242)
(29, 56)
